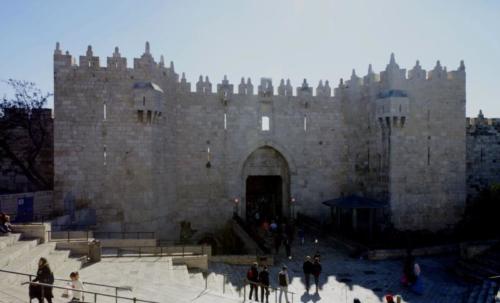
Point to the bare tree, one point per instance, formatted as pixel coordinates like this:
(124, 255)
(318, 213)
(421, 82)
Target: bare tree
(23, 131)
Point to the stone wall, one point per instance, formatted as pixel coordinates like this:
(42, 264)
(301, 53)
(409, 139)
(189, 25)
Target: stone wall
(146, 152)
(483, 154)
(42, 202)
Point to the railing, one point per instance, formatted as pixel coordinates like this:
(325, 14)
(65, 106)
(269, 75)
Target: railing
(71, 227)
(95, 294)
(155, 251)
(87, 234)
(116, 288)
(270, 289)
(256, 238)
(36, 219)
(70, 235)
(125, 235)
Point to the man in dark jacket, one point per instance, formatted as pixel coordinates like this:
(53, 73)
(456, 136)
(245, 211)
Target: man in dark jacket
(307, 267)
(316, 271)
(264, 284)
(253, 279)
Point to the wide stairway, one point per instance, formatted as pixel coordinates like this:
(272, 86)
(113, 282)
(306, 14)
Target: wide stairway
(148, 278)
(22, 255)
(157, 279)
(482, 270)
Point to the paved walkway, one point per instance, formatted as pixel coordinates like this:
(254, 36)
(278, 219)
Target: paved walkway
(345, 278)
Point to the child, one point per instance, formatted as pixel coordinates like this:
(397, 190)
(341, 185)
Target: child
(76, 285)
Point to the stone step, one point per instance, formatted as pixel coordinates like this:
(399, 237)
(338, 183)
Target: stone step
(483, 293)
(8, 240)
(196, 279)
(14, 251)
(28, 262)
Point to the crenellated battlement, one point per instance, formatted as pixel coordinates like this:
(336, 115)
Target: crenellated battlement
(393, 77)
(143, 137)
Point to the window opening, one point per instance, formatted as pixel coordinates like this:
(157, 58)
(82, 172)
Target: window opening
(265, 123)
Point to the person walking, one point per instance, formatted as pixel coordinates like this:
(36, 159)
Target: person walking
(43, 275)
(316, 271)
(307, 267)
(288, 246)
(76, 287)
(283, 282)
(264, 284)
(253, 278)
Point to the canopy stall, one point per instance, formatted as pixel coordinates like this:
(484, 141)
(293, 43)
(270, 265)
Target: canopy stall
(356, 214)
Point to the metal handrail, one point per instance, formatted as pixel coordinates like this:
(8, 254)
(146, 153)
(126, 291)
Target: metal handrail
(116, 288)
(138, 234)
(159, 250)
(275, 289)
(256, 238)
(96, 234)
(68, 238)
(44, 285)
(43, 218)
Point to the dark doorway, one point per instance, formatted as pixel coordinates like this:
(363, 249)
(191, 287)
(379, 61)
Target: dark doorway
(263, 198)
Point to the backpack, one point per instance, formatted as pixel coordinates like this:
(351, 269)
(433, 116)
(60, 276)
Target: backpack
(51, 278)
(282, 279)
(250, 275)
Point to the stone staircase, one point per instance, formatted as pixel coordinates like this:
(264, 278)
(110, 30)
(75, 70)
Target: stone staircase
(478, 270)
(157, 279)
(149, 278)
(483, 293)
(21, 255)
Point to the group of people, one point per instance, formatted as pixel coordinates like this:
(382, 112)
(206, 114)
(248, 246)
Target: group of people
(5, 226)
(260, 279)
(312, 268)
(45, 275)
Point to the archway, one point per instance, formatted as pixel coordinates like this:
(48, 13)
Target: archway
(266, 180)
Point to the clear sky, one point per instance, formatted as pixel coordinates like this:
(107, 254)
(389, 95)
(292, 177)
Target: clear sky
(293, 39)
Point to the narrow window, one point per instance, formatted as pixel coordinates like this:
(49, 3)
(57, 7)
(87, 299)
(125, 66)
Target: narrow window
(428, 150)
(140, 117)
(225, 121)
(90, 64)
(265, 123)
(305, 123)
(105, 154)
(143, 101)
(149, 116)
(104, 112)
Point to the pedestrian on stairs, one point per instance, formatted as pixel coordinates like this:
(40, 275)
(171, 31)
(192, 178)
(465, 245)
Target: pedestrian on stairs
(253, 279)
(264, 284)
(283, 282)
(76, 287)
(43, 275)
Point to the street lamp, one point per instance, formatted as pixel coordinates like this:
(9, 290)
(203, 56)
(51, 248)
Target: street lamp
(292, 205)
(236, 203)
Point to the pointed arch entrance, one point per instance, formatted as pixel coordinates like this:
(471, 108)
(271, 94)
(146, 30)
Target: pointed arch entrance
(266, 182)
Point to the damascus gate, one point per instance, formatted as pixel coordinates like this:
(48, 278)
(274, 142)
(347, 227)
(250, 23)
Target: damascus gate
(148, 150)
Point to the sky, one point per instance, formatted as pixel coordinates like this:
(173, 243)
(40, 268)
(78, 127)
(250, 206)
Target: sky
(296, 39)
